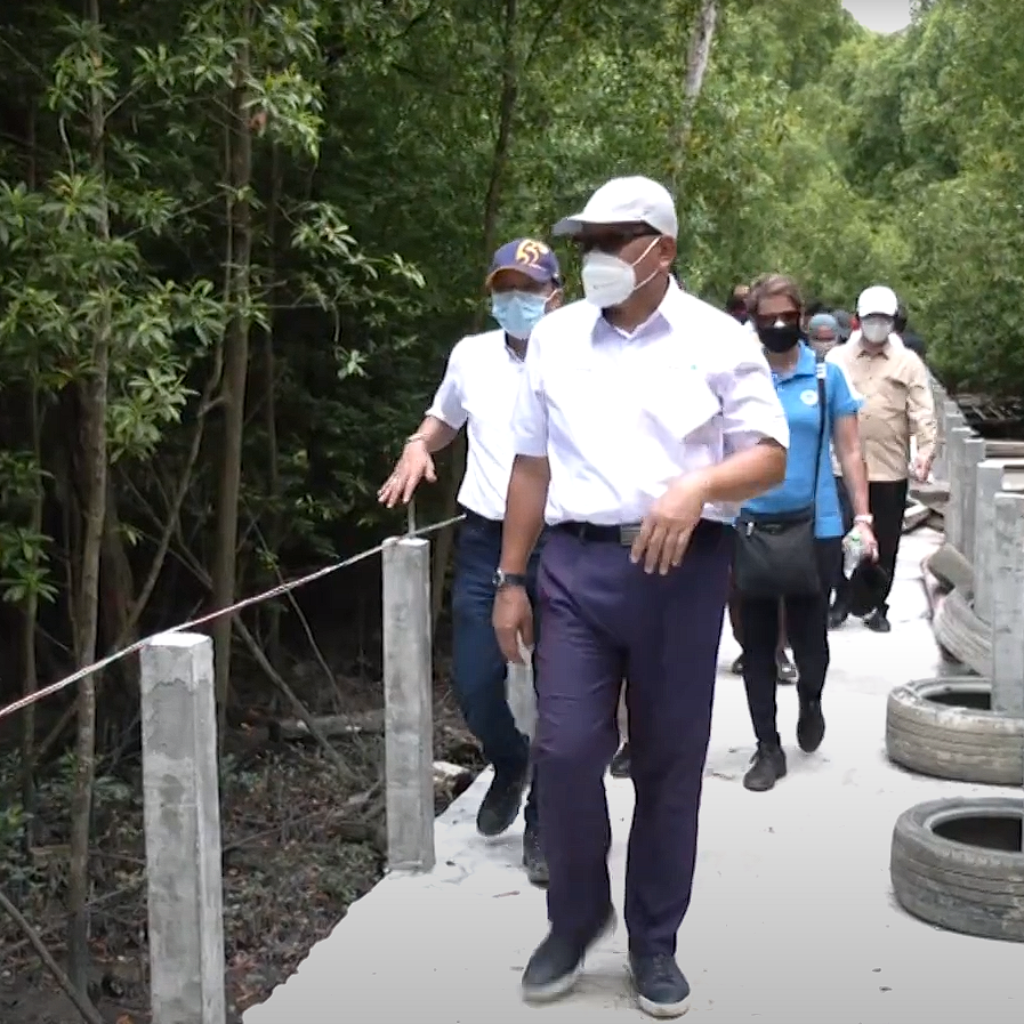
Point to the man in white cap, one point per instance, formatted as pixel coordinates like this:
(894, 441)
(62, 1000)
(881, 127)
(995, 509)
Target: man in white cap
(644, 417)
(898, 405)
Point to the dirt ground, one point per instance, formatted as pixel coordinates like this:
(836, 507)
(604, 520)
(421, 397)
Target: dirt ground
(299, 848)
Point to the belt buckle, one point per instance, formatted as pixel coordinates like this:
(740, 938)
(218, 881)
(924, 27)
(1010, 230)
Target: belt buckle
(628, 535)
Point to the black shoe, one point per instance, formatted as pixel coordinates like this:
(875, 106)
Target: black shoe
(557, 963)
(785, 671)
(662, 989)
(877, 622)
(810, 726)
(621, 763)
(533, 857)
(837, 616)
(767, 766)
(736, 668)
(501, 804)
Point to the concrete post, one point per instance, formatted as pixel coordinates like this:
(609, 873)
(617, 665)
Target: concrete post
(940, 466)
(182, 829)
(957, 471)
(408, 705)
(1008, 607)
(974, 453)
(988, 483)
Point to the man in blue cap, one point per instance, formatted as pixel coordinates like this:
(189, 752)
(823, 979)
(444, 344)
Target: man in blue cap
(479, 392)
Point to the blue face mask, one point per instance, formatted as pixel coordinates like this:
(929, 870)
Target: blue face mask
(518, 313)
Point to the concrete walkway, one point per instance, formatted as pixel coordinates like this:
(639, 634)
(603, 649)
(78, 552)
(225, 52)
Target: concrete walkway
(792, 920)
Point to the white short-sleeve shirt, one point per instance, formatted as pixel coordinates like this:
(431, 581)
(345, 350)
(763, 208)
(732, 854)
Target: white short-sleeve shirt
(620, 417)
(479, 391)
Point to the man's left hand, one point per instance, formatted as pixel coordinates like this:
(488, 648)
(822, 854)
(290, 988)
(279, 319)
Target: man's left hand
(666, 530)
(868, 539)
(922, 468)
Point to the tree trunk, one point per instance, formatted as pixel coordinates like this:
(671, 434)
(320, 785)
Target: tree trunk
(701, 38)
(492, 205)
(273, 535)
(94, 449)
(236, 366)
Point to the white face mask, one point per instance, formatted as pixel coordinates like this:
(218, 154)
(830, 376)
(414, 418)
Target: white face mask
(876, 329)
(608, 280)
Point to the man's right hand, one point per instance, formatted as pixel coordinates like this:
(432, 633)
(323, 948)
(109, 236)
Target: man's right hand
(513, 622)
(414, 466)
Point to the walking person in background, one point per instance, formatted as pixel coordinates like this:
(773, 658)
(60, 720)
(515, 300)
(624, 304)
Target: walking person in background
(898, 406)
(786, 670)
(819, 407)
(479, 392)
(823, 332)
(644, 416)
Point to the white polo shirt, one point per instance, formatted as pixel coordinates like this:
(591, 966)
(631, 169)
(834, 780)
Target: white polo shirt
(479, 391)
(619, 417)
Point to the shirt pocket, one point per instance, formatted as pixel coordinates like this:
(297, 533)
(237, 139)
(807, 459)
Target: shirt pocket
(678, 403)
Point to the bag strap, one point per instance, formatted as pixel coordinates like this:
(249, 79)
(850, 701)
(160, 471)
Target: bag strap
(821, 371)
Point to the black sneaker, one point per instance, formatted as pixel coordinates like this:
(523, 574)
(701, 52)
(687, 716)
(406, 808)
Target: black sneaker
(620, 767)
(767, 766)
(785, 671)
(662, 989)
(736, 668)
(533, 857)
(500, 806)
(810, 726)
(557, 963)
(878, 622)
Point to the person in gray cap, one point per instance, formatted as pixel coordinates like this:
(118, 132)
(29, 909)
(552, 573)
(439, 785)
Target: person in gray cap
(644, 416)
(479, 392)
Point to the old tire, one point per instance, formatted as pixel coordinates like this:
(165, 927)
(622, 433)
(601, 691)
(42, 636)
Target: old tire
(944, 728)
(960, 632)
(958, 864)
(950, 566)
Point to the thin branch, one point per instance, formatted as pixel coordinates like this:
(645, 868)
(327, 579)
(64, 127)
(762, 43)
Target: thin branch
(82, 1002)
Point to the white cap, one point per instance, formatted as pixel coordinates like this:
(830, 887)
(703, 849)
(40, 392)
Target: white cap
(635, 200)
(878, 300)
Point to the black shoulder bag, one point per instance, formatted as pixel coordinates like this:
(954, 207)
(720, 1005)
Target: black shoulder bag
(775, 552)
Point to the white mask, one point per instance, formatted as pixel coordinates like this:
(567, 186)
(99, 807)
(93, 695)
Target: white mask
(608, 280)
(876, 329)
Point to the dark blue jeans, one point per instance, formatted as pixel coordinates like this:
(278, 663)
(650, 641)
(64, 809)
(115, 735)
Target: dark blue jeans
(479, 669)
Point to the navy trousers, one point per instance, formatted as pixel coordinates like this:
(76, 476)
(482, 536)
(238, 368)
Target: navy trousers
(605, 620)
(479, 669)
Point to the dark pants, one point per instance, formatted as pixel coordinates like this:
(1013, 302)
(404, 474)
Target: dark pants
(887, 500)
(606, 620)
(807, 621)
(479, 669)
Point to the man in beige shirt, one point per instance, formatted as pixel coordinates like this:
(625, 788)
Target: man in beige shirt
(898, 405)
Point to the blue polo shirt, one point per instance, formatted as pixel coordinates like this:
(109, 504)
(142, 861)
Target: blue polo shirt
(798, 392)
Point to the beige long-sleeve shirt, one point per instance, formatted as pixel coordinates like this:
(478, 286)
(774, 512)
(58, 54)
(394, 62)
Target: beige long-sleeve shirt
(898, 404)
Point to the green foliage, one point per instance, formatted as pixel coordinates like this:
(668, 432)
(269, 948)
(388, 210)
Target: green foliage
(391, 143)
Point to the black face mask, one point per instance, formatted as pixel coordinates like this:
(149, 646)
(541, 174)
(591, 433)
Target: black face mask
(780, 339)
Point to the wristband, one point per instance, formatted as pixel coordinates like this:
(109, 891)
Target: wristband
(865, 520)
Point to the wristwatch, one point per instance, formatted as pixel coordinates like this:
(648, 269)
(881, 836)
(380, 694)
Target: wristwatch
(866, 520)
(508, 579)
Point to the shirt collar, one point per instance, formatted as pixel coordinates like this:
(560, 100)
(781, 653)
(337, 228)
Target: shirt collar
(670, 309)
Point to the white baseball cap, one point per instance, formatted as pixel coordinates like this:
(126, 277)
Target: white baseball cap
(878, 300)
(634, 200)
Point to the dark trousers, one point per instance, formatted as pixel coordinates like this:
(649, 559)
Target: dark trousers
(606, 620)
(479, 669)
(807, 620)
(887, 500)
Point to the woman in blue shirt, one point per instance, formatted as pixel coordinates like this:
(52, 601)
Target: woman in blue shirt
(776, 307)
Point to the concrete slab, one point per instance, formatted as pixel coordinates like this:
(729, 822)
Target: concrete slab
(792, 920)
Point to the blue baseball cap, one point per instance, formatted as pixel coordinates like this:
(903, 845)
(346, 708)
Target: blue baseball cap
(529, 256)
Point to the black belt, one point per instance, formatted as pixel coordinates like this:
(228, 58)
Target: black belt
(475, 517)
(627, 532)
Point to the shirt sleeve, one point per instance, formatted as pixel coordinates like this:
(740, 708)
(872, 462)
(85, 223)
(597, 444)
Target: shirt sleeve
(921, 406)
(843, 400)
(751, 410)
(448, 406)
(530, 414)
